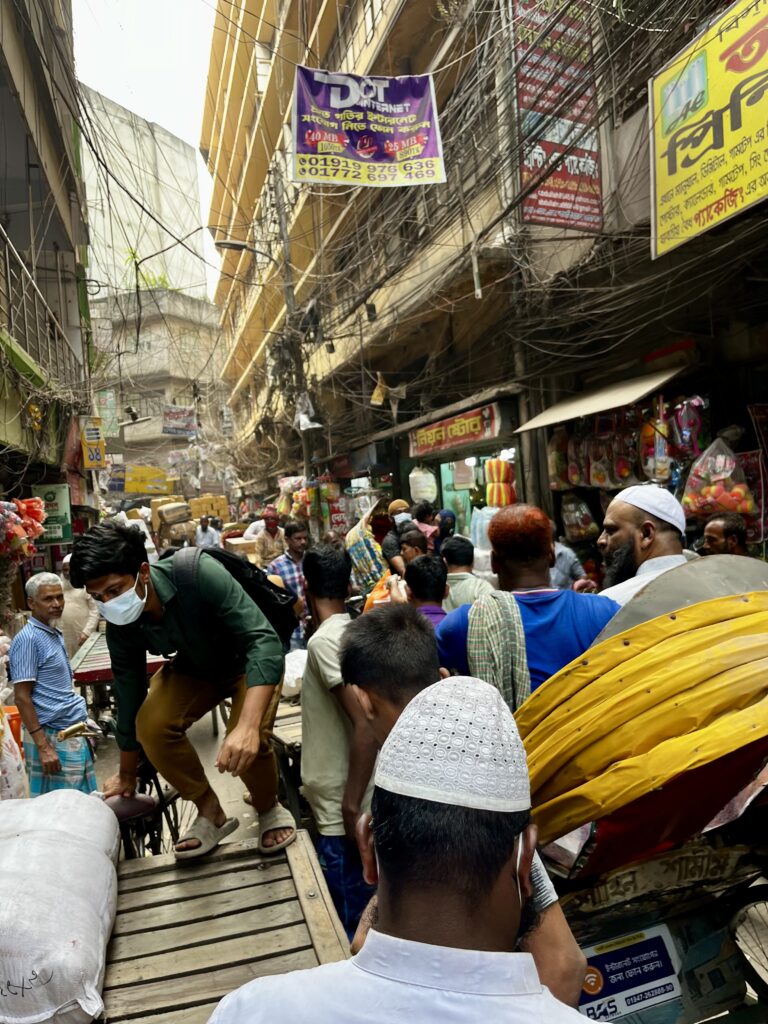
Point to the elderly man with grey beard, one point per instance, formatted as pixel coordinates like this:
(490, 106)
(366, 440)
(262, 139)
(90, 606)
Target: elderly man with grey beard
(46, 697)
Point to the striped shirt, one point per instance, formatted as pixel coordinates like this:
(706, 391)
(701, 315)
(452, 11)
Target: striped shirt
(38, 655)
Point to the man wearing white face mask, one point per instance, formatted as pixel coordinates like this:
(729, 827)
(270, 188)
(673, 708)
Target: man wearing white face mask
(451, 846)
(238, 655)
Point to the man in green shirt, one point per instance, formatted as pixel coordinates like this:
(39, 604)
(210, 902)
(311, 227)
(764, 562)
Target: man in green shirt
(236, 655)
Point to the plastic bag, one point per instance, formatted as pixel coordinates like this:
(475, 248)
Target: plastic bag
(557, 460)
(717, 484)
(578, 521)
(422, 485)
(578, 462)
(13, 778)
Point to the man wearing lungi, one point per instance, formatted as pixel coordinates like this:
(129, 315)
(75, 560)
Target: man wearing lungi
(46, 697)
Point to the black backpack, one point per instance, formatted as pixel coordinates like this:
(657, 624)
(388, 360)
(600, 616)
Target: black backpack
(276, 603)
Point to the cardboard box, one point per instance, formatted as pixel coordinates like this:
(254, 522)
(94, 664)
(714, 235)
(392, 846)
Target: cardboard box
(241, 545)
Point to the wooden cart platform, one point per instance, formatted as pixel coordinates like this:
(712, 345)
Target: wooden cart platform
(186, 935)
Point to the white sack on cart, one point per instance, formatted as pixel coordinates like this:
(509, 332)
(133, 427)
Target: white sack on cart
(295, 662)
(58, 888)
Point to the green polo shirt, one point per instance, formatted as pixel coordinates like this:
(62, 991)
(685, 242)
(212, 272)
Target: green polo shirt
(238, 640)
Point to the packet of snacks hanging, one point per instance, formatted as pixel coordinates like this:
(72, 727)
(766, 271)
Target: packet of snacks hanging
(717, 484)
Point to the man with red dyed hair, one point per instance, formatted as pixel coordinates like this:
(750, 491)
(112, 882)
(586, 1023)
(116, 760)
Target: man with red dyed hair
(559, 625)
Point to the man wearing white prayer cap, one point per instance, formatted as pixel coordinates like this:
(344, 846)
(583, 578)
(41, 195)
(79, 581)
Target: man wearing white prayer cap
(450, 846)
(643, 536)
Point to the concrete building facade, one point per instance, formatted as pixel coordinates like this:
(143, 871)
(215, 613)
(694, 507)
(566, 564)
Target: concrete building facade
(43, 233)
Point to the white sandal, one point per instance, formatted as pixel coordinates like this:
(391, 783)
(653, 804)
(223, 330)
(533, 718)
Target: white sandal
(209, 835)
(277, 817)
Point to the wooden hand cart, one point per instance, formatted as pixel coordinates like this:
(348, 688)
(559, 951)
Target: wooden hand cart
(186, 935)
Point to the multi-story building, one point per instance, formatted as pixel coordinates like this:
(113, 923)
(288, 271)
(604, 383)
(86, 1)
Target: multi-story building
(524, 278)
(43, 343)
(155, 330)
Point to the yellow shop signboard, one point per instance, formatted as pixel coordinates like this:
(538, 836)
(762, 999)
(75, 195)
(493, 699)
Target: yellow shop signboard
(709, 115)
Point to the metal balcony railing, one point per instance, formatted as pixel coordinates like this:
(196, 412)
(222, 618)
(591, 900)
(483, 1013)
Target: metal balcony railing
(30, 321)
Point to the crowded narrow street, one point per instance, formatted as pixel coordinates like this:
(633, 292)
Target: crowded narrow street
(383, 511)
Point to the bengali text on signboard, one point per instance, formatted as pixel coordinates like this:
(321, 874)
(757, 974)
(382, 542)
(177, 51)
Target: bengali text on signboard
(481, 424)
(375, 131)
(557, 115)
(709, 117)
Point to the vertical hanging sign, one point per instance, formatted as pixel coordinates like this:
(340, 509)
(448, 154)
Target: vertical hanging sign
(557, 114)
(358, 130)
(92, 443)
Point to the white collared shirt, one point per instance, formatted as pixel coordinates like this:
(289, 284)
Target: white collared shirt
(392, 981)
(648, 571)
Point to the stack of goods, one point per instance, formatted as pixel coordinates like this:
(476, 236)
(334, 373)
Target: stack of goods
(210, 505)
(176, 524)
(157, 503)
(500, 483)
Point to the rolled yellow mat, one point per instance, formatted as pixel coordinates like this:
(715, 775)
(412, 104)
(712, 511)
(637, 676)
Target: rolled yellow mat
(634, 777)
(619, 650)
(677, 716)
(650, 680)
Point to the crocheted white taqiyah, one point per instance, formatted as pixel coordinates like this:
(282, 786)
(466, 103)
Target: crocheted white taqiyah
(457, 743)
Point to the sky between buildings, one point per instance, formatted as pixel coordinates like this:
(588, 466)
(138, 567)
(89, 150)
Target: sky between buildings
(152, 57)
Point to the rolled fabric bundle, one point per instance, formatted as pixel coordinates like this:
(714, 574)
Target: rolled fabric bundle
(498, 471)
(499, 495)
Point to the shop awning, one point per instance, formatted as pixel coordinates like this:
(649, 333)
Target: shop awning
(627, 392)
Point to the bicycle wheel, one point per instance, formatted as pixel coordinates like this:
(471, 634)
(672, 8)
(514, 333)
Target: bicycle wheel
(175, 817)
(749, 929)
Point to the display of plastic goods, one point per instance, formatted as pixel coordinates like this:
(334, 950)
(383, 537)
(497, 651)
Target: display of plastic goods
(578, 521)
(557, 460)
(499, 471)
(177, 512)
(717, 484)
(499, 495)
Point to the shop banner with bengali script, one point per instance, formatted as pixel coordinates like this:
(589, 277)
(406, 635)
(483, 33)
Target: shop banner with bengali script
(356, 130)
(557, 114)
(180, 420)
(709, 115)
(467, 428)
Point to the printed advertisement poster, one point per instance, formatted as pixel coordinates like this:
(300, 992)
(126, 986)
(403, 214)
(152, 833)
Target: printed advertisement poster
(630, 974)
(58, 513)
(354, 130)
(180, 420)
(106, 403)
(557, 114)
(709, 116)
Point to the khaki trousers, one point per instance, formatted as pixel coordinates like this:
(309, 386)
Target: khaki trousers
(176, 700)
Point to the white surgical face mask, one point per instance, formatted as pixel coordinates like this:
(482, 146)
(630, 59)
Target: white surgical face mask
(402, 517)
(125, 608)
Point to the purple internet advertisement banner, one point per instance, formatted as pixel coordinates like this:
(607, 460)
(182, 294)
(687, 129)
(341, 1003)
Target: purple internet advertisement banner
(358, 130)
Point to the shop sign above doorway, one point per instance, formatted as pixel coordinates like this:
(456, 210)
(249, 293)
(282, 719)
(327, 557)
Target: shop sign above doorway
(483, 424)
(708, 129)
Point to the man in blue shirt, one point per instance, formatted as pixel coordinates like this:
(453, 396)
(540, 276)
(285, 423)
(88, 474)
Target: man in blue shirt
(559, 625)
(45, 696)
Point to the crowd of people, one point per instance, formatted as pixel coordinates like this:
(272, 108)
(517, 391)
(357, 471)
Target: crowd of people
(423, 833)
